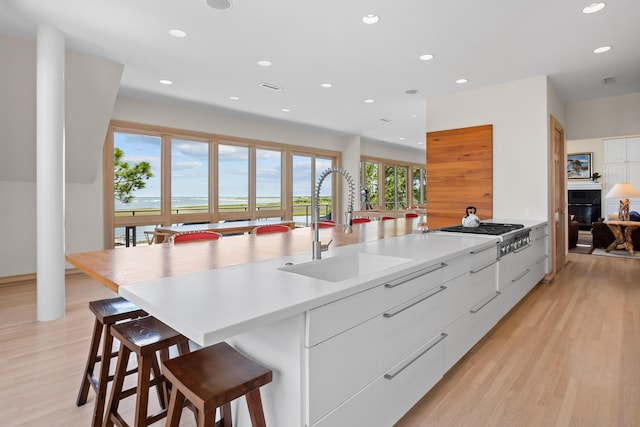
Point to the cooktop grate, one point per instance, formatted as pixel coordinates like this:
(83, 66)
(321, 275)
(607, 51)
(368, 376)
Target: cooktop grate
(494, 229)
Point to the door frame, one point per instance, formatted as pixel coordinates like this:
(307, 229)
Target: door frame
(557, 198)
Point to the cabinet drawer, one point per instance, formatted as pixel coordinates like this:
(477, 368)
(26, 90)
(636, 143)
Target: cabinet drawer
(343, 365)
(465, 332)
(472, 260)
(392, 394)
(331, 319)
(514, 265)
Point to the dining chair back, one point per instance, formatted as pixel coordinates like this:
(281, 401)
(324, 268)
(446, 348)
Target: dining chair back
(270, 228)
(325, 223)
(384, 218)
(190, 236)
(360, 220)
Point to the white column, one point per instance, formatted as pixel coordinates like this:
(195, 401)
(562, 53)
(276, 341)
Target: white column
(50, 173)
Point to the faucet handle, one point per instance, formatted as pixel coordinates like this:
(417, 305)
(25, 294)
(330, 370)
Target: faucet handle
(324, 247)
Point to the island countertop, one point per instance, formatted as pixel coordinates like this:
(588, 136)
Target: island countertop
(213, 305)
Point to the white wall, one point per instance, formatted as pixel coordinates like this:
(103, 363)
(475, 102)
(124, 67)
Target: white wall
(518, 112)
(91, 87)
(604, 118)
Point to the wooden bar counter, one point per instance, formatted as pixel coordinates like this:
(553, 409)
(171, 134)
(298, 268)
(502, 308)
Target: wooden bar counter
(123, 266)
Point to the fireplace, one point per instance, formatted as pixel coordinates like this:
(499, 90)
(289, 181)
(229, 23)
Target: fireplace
(585, 205)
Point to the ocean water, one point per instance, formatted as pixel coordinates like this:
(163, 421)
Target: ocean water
(154, 202)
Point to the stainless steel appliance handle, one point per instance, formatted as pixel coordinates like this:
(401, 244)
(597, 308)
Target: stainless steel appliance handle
(404, 279)
(527, 246)
(484, 303)
(410, 304)
(482, 268)
(393, 374)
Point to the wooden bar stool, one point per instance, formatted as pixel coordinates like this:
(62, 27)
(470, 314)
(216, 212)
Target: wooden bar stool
(211, 378)
(146, 337)
(107, 312)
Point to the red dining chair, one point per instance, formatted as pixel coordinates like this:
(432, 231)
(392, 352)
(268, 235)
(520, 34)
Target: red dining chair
(384, 218)
(411, 215)
(360, 220)
(270, 228)
(190, 236)
(325, 223)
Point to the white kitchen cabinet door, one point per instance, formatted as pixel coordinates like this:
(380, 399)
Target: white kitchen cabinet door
(615, 150)
(383, 402)
(633, 149)
(346, 363)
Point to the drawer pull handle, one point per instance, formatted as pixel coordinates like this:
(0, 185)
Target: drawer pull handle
(542, 258)
(393, 374)
(477, 309)
(410, 304)
(482, 268)
(521, 275)
(482, 250)
(522, 248)
(404, 279)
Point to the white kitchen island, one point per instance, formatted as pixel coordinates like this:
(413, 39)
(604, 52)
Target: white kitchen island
(344, 350)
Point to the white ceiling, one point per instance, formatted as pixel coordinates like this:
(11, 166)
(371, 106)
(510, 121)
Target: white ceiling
(310, 42)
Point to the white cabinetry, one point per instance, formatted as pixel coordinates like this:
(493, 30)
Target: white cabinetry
(371, 356)
(621, 164)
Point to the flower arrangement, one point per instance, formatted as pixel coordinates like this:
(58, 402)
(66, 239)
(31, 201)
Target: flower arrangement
(595, 177)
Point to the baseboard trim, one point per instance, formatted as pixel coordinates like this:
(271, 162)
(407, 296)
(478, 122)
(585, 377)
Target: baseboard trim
(22, 279)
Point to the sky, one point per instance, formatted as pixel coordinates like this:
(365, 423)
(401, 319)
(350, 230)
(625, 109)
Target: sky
(189, 168)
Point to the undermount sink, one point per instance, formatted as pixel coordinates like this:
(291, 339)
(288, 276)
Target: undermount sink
(339, 268)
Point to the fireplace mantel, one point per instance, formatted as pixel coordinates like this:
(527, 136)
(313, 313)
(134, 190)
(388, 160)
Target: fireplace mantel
(583, 185)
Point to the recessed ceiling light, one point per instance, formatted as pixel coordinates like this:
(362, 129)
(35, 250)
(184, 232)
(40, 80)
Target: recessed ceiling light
(369, 101)
(602, 49)
(219, 4)
(401, 139)
(370, 19)
(426, 57)
(461, 81)
(326, 85)
(166, 82)
(264, 63)
(286, 110)
(178, 33)
(234, 98)
(593, 8)
(420, 143)
(414, 115)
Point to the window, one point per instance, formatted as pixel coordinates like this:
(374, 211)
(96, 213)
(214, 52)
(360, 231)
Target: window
(233, 178)
(197, 177)
(189, 177)
(268, 180)
(404, 185)
(136, 149)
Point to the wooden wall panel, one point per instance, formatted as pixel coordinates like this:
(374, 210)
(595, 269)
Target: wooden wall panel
(459, 174)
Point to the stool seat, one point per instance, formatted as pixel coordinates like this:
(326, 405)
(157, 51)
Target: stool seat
(146, 337)
(211, 378)
(107, 313)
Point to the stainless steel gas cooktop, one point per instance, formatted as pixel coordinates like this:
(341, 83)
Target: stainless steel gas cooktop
(494, 229)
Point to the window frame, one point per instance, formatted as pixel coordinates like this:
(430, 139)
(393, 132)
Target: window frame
(166, 218)
(382, 165)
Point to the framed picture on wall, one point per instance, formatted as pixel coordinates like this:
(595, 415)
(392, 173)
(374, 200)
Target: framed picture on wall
(579, 166)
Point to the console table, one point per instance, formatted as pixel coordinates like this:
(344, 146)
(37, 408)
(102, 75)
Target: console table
(622, 238)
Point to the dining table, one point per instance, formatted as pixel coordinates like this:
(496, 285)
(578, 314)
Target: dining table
(225, 228)
(123, 266)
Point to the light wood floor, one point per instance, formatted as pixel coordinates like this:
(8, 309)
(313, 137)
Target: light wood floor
(568, 355)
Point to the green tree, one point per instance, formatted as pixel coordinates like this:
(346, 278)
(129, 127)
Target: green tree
(128, 178)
